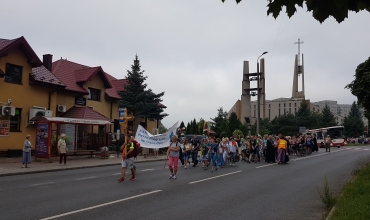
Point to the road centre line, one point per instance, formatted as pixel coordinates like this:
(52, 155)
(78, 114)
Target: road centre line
(101, 205)
(215, 177)
(86, 178)
(146, 170)
(40, 184)
(266, 165)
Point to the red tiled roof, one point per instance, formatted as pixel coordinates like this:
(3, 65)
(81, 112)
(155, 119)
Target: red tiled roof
(43, 75)
(7, 45)
(5, 42)
(84, 113)
(64, 70)
(73, 74)
(119, 84)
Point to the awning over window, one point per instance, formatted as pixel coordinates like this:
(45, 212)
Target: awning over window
(43, 119)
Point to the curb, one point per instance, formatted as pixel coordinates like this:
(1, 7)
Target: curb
(330, 213)
(74, 168)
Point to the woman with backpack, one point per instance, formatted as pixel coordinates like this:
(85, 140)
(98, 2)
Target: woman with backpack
(173, 157)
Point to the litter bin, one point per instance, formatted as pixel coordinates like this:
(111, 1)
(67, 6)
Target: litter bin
(104, 152)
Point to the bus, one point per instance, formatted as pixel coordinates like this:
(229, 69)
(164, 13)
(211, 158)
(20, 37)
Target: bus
(336, 134)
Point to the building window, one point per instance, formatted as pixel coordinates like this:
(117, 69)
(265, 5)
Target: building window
(13, 74)
(290, 111)
(284, 104)
(279, 105)
(269, 106)
(269, 114)
(284, 111)
(295, 110)
(254, 112)
(15, 121)
(295, 104)
(94, 94)
(279, 111)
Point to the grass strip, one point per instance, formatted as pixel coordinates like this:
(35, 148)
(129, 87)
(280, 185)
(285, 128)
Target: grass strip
(354, 202)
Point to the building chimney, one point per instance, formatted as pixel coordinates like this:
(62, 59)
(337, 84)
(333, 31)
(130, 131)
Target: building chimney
(47, 61)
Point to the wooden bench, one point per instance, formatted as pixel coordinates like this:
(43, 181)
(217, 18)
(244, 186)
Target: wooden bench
(82, 152)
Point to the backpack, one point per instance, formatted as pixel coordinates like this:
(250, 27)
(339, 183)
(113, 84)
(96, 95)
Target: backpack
(136, 150)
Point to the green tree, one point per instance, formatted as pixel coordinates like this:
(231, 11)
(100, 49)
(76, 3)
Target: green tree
(244, 129)
(360, 86)
(182, 125)
(220, 123)
(234, 122)
(327, 117)
(353, 124)
(194, 127)
(140, 101)
(188, 128)
(303, 115)
(201, 126)
(161, 128)
(320, 9)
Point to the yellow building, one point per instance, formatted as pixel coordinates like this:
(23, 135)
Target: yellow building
(45, 98)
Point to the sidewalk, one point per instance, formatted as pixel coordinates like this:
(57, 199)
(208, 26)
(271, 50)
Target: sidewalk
(13, 166)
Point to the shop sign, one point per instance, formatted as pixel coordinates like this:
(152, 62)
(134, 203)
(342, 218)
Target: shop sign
(4, 127)
(42, 140)
(80, 101)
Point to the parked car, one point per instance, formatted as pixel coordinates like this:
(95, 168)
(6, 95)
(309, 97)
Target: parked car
(190, 136)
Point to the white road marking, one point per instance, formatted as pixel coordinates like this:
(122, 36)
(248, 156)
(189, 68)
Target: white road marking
(365, 149)
(86, 178)
(40, 184)
(115, 174)
(98, 206)
(146, 170)
(267, 165)
(215, 177)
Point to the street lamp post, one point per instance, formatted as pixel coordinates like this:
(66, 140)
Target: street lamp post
(258, 93)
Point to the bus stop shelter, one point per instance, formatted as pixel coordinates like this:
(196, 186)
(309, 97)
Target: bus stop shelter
(85, 131)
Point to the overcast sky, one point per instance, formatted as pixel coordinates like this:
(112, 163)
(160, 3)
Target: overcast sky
(194, 50)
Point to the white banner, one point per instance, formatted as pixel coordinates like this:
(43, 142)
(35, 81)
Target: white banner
(146, 139)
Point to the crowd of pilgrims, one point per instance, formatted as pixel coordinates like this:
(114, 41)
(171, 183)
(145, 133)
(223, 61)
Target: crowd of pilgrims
(219, 152)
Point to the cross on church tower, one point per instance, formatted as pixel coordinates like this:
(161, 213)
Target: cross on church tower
(299, 50)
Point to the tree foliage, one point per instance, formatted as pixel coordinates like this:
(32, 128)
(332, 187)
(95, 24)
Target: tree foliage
(161, 128)
(221, 124)
(140, 101)
(201, 126)
(234, 122)
(360, 86)
(353, 124)
(321, 9)
(327, 117)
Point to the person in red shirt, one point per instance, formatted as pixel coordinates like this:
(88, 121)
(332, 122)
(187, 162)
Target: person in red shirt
(128, 159)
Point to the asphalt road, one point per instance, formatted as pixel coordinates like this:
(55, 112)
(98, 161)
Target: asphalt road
(246, 191)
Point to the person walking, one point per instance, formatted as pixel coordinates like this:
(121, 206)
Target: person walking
(328, 142)
(282, 148)
(173, 157)
(233, 146)
(26, 155)
(270, 152)
(214, 148)
(196, 145)
(186, 154)
(128, 159)
(62, 149)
